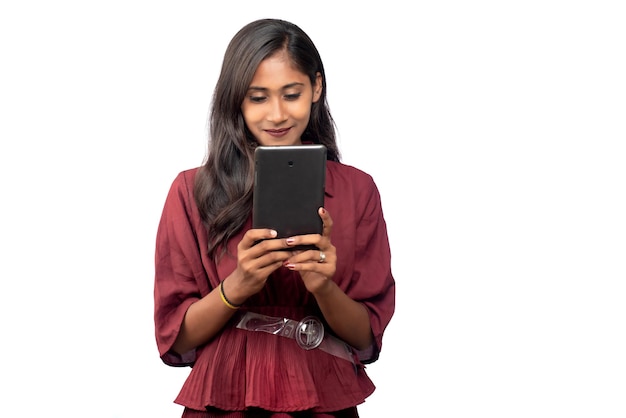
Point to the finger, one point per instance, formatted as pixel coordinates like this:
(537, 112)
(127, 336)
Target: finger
(304, 240)
(254, 236)
(265, 269)
(327, 268)
(265, 253)
(326, 220)
(314, 257)
(264, 264)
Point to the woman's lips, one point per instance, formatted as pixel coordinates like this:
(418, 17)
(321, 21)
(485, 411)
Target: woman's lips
(277, 132)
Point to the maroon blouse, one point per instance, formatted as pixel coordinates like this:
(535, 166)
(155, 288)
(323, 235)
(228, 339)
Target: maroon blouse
(238, 369)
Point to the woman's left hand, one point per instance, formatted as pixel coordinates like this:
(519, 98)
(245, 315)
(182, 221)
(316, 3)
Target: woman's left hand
(316, 267)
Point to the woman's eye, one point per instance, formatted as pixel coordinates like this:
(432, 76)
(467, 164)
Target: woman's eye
(294, 96)
(257, 99)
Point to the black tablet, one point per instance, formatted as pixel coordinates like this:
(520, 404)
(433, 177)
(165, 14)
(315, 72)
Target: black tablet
(289, 189)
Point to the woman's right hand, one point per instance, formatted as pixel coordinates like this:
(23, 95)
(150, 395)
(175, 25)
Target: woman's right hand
(258, 255)
(255, 262)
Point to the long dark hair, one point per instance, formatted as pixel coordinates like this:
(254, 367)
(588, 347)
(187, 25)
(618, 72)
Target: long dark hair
(224, 183)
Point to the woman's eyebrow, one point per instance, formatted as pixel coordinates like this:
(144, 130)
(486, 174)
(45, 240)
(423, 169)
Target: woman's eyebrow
(287, 86)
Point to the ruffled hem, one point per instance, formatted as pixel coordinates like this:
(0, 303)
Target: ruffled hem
(245, 369)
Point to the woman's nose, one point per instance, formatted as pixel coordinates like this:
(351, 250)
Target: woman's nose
(276, 111)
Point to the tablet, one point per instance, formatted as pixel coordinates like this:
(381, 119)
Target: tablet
(289, 186)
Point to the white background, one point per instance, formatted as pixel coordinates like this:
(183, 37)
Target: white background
(494, 130)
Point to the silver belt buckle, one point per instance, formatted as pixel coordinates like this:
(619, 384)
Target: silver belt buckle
(309, 333)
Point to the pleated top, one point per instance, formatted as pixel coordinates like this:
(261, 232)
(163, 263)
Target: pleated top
(239, 369)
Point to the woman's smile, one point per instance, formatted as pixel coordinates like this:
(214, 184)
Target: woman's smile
(278, 132)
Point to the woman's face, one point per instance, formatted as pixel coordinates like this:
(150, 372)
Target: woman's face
(278, 104)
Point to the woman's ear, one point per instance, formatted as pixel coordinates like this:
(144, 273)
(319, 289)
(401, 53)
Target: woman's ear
(317, 88)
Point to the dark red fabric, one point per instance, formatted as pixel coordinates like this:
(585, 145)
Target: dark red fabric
(212, 413)
(239, 370)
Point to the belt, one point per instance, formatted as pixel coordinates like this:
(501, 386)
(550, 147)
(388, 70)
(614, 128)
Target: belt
(308, 333)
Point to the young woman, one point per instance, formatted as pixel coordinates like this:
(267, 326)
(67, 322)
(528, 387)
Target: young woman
(268, 331)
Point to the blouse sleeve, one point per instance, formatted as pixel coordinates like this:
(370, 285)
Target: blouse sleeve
(178, 269)
(372, 283)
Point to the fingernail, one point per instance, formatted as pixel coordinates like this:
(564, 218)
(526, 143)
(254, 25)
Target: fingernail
(273, 233)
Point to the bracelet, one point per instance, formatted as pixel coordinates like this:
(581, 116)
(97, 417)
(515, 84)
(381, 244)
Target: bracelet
(225, 299)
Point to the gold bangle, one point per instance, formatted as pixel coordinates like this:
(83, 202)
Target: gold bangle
(225, 299)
